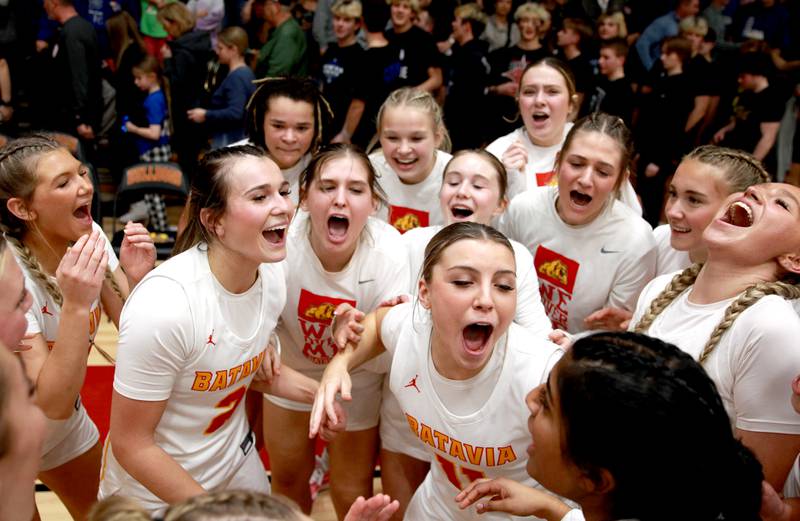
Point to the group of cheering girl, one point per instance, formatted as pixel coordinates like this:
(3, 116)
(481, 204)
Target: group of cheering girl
(422, 316)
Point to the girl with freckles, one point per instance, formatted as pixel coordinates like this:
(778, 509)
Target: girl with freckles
(590, 250)
(70, 270)
(337, 252)
(460, 367)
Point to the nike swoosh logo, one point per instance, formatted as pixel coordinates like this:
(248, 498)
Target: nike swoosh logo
(604, 250)
(365, 281)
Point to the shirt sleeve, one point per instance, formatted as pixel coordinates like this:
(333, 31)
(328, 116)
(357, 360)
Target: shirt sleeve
(392, 324)
(155, 340)
(634, 273)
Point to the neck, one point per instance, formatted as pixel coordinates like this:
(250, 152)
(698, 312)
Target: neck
(571, 51)
(45, 249)
(376, 40)
(595, 508)
(616, 75)
(233, 272)
(675, 71)
(235, 63)
(761, 84)
(65, 13)
(404, 29)
(698, 255)
(332, 260)
(530, 45)
(501, 19)
(281, 17)
(719, 280)
(546, 142)
(347, 42)
(465, 39)
(154, 88)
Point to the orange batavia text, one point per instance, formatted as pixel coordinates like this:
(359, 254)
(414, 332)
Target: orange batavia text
(474, 455)
(217, 380)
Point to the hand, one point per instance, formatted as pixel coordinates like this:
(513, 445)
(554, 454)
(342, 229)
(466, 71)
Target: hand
(651, 170)
(773, 507)
(196, 115)
(561, 338)
(611, 319)
(22, 346)
(271, 366)
(81, 271)
(505, 495)
(445, 45)
(166, 52)
(6, 113)
(515, 157)
(137, 253)
(719, 136)
(85, 131)
(379, 507)
(392, 302)
(341, 137)
(335, 379)
(330, 429)
(41, 45)
(346, 325)
(508, 88)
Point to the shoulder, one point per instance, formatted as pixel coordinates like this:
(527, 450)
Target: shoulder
(421, 235)
(532, 354)
(630, 226)
(499, 145)
(532, 200)
(386, 240)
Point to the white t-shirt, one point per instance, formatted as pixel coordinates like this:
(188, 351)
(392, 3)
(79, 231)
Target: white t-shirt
(43, 317)
(584, 268)
(410, 206)
(530, 311)
(175, 344)
(376, 272)
(490, 442)
(754, 362)
(539, 170)
(668, 259)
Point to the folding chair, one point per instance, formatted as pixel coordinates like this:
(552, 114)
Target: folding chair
(165, 179)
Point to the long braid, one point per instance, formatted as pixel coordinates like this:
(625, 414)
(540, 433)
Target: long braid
(33, 266)
(739, 168)
(677, 285)
(785, 288)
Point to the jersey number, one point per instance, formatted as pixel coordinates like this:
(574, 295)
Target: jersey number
(229, 403)
(451, 472)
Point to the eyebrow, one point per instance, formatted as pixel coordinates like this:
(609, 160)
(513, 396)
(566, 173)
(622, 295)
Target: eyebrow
(473, 270)
(788, 194)
(601, 163)
(699, 194)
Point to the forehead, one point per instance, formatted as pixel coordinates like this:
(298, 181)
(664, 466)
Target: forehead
(493, 256)
(543, 75)
(406, 118)
(597, 147)
(695, 173)
(472, 164)
(281, 107)
(346, 167)
(54, 163)
(251, 171)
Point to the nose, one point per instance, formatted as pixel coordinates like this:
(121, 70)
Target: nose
(289, 135)
(483, 299)
(404, 146)
(86, 183)
(752, 193)
(283, 206)
(340, 196)
(463, 189)
(673, 210)
(532, 400)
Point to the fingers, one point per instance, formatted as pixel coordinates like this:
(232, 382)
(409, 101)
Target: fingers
(317, 410)
(476, 490)
(22, 346)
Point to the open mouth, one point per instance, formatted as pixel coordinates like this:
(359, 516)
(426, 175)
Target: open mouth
(476, 336)
(461, 212)
(739, 214)
(83, 212)
(540, 117)
(338, 225)
(406, 162)
(679, 229)
(579, 199)
(275, 234)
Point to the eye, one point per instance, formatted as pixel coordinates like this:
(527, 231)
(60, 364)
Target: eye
(259, 198)
(783, 204)
(357, 191)
(505, 288)
(461, 283)
(694, 201)
(285, 192)
(672, 193)
(603, 173)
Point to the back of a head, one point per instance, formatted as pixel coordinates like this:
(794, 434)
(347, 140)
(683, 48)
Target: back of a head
(235, 505)
(376, 15)
(649, 414)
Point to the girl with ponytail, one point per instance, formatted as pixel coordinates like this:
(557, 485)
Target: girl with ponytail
(70, 269)
(732, 315)
(629, 427)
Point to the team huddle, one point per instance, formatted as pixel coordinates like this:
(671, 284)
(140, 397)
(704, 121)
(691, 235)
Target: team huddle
(425, 310)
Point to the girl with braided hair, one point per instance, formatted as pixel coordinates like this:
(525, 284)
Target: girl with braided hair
(733, 315)
(288, 117)
(70, 269)
(629, 427)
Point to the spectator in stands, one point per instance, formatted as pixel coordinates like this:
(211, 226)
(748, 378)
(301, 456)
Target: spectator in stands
(285, 53)
(224, 118)
(613, 93)
(499, 31)
(6, 94)
(661, 138)
(704, 76)
(611, 26)
(464, 107)
(762, 20)
(572, 39)
(208, 16)
(757, 112)
(418, 64)
(717, 20)
(154, 34)
(648, 46)
(77, 72)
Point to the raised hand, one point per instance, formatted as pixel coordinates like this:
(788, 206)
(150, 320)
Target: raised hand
(137, 254)
(81, 271)
(379, 507)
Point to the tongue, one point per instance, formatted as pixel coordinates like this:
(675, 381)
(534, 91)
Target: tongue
(272, 236)
(475, 336)
(80, 213)
(337, 227)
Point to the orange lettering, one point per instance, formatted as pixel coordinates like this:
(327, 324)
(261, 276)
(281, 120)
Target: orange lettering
(441, 440)
(474, 453)
(506, 455)
(202, 380)
(233, 373)
(457, 450)
(247, 368)
(426, 435)
(413, 424)
(220, 382)
(490, 456)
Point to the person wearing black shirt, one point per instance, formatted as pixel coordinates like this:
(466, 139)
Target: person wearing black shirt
(613, 93)
(574, 35)
(417, 63)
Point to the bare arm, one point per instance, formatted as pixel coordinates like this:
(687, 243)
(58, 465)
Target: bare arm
(133, 423)
(776, 452)
(769, 133)
(701, 104)
(434, 80)
(351, 121)
(153, 132)
(289, 384)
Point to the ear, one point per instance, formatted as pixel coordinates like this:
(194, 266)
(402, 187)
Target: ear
(424, 295)
(790, 262)
(598, 483)
(501, 207)
(19, 209)
(211, 223)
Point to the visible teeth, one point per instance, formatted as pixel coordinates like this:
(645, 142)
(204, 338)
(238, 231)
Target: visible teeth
(682, 230)
(276, 228)
(741, 205)
(406, 161)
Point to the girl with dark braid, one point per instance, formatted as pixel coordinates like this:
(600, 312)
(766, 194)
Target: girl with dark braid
(629, 427)
(732, 314)
(69, 269)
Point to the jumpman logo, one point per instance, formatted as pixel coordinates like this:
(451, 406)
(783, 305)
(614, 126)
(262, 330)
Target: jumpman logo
(413, 383)
(46, 311)
(211, 339)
